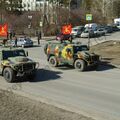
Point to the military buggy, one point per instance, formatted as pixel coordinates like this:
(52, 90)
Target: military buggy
(14, 62)
(74, 54)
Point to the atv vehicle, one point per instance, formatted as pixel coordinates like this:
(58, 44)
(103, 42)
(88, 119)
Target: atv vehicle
(74, 54)
(14, 62)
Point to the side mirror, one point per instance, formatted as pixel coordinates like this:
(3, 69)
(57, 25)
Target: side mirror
(26, 53)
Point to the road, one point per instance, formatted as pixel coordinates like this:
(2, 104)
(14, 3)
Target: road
(95, 94)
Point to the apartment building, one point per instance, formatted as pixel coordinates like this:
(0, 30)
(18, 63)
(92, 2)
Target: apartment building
(32, 5)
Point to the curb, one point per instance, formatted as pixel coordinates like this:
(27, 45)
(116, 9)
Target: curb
(117, 66)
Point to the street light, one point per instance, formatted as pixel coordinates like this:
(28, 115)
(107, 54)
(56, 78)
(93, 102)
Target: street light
(69, 10)
(29, 26)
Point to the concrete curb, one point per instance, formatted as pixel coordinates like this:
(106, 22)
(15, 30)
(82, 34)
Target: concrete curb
(117, 66)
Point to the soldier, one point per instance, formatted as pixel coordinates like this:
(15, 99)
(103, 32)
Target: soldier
(10, 35)
(15, 41)
(13, 34)
(4, 42)
(39, 37)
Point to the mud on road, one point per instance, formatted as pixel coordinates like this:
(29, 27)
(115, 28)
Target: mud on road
(14, 107)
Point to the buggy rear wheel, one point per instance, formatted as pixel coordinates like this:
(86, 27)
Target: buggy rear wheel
(53, 61)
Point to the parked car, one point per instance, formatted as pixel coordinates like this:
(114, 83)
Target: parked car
(76, 31)
(108, 29)
(115, 28)
(61, 37)
(92, 26)
(22, 42)
(117, 22)
(87, 33)
(100, 31)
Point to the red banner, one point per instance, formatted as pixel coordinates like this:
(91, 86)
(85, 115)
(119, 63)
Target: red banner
(67, 29)
(3, 30)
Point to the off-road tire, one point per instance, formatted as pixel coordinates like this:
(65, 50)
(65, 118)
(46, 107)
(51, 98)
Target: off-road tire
(80, 65)
(9, 75)
(53, 61)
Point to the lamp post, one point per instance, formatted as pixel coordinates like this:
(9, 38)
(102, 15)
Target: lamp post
(29, 26)
(69, 10)
(43, 17)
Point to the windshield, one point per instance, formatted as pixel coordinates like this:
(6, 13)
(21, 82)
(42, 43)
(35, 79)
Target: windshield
(80, 48)
(13, 53)
(75, 30)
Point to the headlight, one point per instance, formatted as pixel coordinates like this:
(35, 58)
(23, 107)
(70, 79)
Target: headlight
(16, 67)
(87, 57)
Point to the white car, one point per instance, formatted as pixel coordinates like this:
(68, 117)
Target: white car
(92, 26)
(22, 42)
(87, 33)
(76, 31)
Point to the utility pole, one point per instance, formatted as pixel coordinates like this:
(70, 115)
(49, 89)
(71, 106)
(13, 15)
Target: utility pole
(43, 17)
(69, 11)
(44, 11)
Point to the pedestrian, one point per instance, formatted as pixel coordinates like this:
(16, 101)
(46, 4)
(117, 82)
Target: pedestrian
(7, 36)
(39, 37)
(15, 41)
(10, 35)
(4, 42)
(13, 34)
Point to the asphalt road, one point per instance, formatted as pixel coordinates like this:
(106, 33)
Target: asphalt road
(92, 93)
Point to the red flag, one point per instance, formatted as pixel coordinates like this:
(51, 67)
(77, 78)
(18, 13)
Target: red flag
(66, 29)
(3, 30)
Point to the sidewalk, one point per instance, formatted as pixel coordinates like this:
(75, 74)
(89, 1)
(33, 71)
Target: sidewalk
(49, 38)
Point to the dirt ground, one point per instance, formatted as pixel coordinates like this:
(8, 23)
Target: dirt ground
(13, 107)
(109, 51)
